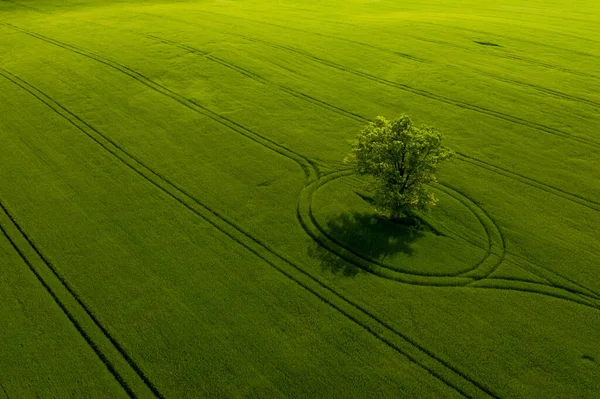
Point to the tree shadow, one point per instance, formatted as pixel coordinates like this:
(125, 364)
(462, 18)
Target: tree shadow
(331, 262)
(367, 235)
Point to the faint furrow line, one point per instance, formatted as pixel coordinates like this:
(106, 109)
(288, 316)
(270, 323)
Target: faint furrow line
(20, 5)
(254, 76)
(2, 385)
(529, 287)
(585, 293)
(590, 291)
(308, 221)
(580, 298)
(496, 54)
(397, 53)
(464, 281)
(309, 167)
(555, 93)
(496, 226)
(23, 85)
(263, 80)
(515, 39)
(470, 49)
(383, 265)
(547, 65)
(506, 56)
(575, 198)
(286, 89)
(420, 92)
(256, 246)
(423, 93)
(463, 157)
(63, 307)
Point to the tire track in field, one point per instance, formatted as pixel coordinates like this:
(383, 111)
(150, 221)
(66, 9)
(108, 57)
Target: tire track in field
(1, 385)
(495, 54)
(496, 227)
(405, 276)
(504, 252)
(39, 96)
(70, 316)
(575, 198)
(499, 78)
(516, 39)
(244, 71)
(20, 5)
(409, 89)
(463, 157)
(554, 93)
(451, 192)
(583, 291)
(304, 96)
(582, 296)
(355, 116)
(254, 76)
(397, 53)
(465, 280)
(546, 65)
(590, 292)
(528, 287)
(310, 168)
(377, 327)
(112, 64)
(531, 287)
(507, 56)
(433, 96)
(307, 220)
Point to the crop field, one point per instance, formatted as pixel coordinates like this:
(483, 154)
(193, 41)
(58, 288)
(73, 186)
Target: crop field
(176, 220)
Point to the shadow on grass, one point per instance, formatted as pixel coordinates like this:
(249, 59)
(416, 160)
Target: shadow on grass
(368, 235)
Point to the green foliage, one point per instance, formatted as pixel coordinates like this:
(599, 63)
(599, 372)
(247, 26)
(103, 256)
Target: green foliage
(207, 310)
(402, 159)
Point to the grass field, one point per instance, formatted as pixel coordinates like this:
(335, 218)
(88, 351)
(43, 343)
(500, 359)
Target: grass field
(176, 221)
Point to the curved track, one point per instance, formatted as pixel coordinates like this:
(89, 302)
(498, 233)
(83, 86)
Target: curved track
(477, 278)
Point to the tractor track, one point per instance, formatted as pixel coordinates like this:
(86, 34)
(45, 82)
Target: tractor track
(580, 200)
(82, 332)
(307, 165)
(409, 89)
(463, 157)
(407, 347)
(386, 50)
(356, 254)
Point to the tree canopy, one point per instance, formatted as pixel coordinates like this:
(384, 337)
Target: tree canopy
(401, 158)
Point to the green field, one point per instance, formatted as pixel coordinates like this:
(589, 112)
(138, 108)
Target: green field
(176, 220)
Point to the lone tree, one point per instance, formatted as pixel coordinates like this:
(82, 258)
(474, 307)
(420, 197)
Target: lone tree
(401, 158)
